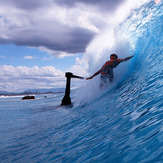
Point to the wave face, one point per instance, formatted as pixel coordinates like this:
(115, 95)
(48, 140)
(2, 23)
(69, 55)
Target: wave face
(124, 124)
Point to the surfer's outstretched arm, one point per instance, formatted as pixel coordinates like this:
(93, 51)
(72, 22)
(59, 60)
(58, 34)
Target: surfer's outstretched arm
(127, 58)
(94, 74)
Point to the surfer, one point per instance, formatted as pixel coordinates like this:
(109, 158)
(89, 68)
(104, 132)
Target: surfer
(107, 69)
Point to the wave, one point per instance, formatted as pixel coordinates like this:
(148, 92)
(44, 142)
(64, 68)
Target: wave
(138, 35)
(120, 123)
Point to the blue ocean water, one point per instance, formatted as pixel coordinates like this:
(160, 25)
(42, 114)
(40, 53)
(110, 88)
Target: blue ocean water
(122, 125)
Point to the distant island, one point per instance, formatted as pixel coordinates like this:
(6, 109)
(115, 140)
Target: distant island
(33, 91)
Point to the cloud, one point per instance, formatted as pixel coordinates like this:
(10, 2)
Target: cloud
(21, 77)
(70, 40)
(44, 32)
(25, 4)
(28, 57)
(81, 67)
(60, 26)
(107, 5)
(2, 56)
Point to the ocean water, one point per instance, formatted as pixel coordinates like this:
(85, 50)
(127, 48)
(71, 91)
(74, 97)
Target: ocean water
(122, 124)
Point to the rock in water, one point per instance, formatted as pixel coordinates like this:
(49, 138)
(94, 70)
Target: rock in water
(28, 97)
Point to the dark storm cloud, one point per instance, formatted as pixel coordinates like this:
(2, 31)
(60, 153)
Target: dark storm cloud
(108, 5)
(50, 32)
(70, 40)
(25, 4)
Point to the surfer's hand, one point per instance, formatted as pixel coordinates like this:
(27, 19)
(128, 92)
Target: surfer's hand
(89, 78)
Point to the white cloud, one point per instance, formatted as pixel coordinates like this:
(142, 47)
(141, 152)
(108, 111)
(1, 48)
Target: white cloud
(20, 78)
(2, 56)
(28, 57)
(81, 67)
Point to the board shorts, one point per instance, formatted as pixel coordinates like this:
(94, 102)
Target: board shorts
(106, 78)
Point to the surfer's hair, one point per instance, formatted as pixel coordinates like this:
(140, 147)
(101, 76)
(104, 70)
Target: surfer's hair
(114, 55)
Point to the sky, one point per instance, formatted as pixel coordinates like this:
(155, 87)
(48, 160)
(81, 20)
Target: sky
(41, 40)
